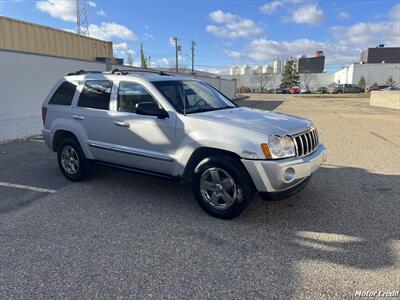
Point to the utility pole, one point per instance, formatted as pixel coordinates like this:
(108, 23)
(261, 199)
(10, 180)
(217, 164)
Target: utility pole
(176, 53)
(193, 44)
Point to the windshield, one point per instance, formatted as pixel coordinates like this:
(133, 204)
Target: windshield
(192, 95)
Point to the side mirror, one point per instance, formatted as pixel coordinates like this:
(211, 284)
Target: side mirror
(150, 109)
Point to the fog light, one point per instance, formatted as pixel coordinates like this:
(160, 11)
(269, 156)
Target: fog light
(289, 174)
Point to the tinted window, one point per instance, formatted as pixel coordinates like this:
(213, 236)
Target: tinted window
(64, 94)
(96, 94)
(130, 94)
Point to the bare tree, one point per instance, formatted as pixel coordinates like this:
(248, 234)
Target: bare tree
(262, 79)
(307, 79)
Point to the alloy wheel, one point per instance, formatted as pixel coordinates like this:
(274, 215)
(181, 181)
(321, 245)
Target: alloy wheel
(219, 188)
(70, 160)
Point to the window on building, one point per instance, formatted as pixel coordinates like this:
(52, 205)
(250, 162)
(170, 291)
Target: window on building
(130, 94)
(64, 94)
(96, 94)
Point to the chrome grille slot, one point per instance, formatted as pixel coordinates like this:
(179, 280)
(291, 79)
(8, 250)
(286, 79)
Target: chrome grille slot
(306, 142)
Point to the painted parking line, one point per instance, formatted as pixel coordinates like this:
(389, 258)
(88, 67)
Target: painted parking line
(26, 187)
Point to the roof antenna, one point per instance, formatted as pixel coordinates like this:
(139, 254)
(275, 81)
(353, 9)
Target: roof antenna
(184, 104)
(183, 99)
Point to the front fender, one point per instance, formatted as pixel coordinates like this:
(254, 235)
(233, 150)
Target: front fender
(244, 148)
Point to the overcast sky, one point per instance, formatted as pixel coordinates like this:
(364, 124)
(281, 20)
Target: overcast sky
(226, 32)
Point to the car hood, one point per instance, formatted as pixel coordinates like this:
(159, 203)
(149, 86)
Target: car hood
(258, 120)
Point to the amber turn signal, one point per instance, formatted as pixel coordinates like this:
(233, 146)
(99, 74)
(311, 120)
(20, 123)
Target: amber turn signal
(266, 151)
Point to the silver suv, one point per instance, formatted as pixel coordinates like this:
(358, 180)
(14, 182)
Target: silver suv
(182, 129)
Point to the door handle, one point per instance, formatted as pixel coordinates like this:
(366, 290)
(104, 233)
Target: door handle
(122, 124)
(78, 117)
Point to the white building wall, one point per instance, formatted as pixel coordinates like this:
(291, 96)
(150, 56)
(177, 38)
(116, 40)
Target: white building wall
(226, 86)
(267, 69)
(378, 73)
(372, 73)
(25, 81)
(277, 66)
(245, 70)
(233, 71)
(317, 80)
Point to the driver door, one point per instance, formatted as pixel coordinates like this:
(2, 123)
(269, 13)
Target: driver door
(142, 141)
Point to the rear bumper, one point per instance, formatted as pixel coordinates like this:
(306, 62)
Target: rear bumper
(46, 137)
(279, 175)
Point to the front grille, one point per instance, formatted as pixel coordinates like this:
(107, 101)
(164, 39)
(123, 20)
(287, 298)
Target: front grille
(306, 142)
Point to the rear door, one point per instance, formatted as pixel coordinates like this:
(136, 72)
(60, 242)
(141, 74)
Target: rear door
(91, 116)
(59, 105)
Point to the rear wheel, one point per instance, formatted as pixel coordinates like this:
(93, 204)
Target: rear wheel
(71, 159)
(222, 186)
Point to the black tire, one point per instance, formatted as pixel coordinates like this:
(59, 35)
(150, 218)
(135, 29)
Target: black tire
(82, 166)
(242, 181)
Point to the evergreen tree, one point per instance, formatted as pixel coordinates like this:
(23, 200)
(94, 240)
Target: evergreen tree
(361, 83)
(290, 76)
(143, 58)
(390, 82)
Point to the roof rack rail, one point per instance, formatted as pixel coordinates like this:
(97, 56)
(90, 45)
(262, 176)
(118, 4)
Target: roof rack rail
(138, 70)
(80, 72)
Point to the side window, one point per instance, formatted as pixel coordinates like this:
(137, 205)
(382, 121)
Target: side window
(64, 94)
(96, 94)
(129, 94)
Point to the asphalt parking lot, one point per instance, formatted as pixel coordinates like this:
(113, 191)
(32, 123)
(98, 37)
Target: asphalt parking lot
(120, 235)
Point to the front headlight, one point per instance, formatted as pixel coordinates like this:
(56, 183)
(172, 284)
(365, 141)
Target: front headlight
(279, 147)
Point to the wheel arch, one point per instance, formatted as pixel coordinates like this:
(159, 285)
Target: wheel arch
(60, 135)
(201, 153)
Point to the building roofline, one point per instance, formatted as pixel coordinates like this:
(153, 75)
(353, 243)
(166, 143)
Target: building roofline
(52, 28)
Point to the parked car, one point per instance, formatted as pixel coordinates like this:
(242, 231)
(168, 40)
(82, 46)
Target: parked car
(369, 89)
(180, 129)
(321, 90)
(281, 90)
(344, 88)
(305, 90)
(393, 88)
(294, 90)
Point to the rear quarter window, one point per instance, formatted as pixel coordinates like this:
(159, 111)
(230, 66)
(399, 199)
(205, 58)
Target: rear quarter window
(96, 94)
(64, 94)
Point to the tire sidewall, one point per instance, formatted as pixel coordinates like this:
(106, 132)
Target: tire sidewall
(239, 174)
(82, 167)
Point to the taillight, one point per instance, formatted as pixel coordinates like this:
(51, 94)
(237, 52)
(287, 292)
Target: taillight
(44, 113)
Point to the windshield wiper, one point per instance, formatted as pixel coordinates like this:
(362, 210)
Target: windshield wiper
(204, 109)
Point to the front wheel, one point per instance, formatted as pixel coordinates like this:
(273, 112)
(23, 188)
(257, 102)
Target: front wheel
(222, 186)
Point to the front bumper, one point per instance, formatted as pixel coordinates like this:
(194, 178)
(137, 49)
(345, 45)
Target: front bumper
(280, 175)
